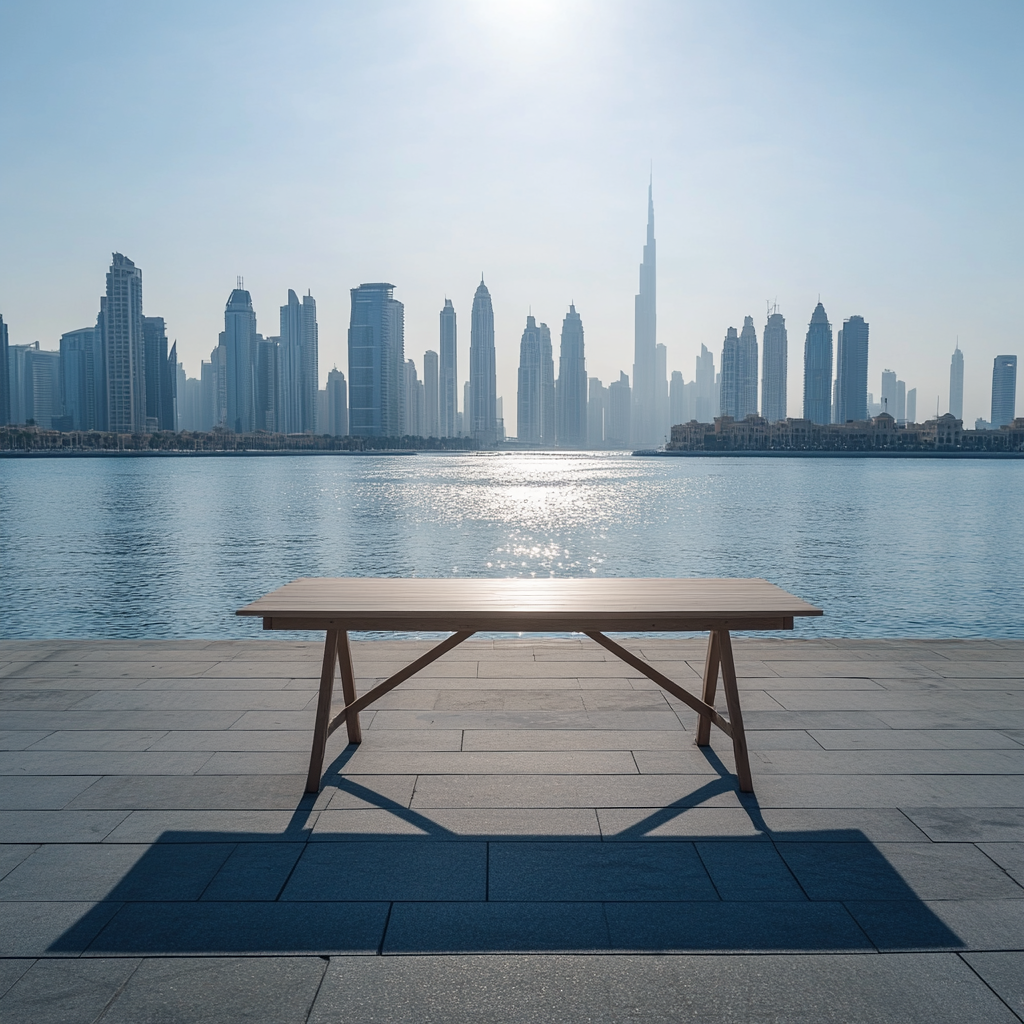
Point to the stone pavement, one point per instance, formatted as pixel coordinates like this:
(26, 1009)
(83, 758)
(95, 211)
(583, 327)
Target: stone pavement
(527, 833)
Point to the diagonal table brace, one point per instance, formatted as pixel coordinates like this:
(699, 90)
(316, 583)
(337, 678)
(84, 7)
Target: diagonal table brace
(337, 647)
(719, 654)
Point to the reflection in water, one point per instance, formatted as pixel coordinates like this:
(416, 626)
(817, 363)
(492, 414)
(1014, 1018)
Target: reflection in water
(129, 547)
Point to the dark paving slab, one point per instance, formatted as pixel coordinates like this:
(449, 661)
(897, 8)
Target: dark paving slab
(969, 824)
(33, 929)
(232, 928)
(58, 826)
(1004, 974)
(42, 792)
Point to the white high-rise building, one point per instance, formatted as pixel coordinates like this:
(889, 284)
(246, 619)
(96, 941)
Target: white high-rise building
(448, 373)
(956, 383)
(774, 368)
(644, 414)
(572, 383)
(481, 414)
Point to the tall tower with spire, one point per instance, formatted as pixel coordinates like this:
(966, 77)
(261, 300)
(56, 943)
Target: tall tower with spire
(645, 405)
(818, 368)
(956, 383)
(482, 421)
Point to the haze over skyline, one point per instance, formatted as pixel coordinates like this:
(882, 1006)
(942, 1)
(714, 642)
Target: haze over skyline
(869, 156)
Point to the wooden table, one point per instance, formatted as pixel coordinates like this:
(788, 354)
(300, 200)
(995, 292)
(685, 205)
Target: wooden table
(591, 606)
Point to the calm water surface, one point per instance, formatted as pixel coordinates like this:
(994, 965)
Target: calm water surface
(170, 547)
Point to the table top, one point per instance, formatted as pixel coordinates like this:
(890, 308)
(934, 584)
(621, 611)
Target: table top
(534, 605)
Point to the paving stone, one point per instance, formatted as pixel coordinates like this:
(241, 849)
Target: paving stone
(734, 927)
(576, 739)
(969, 824)
(882, 762)
(888, 790)
(12, 854)
(1009, 856)
(157, 721)
(195, 792)
(748, 871)
(223, 929)
(254, 871)
(897, 871)
(213, 991)
(58, 826)
(941, 924)
(235, 740)
(17, 739)
(466, 824)
(573, 791)
(10, 972)
(52, 929)
(100, 739)
(65, 990)
(912, 739)
(88, 872)
(559, 872)
(1004, 974)
(41, 792)
(654, 823)
(628, 720)
(391, 871)
(825, 989)
(586, 762)
(495, 928)
(221, 826)
(386, 791)
(840, 825)
(82, 762)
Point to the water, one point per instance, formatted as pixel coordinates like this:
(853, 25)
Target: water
(170, 547)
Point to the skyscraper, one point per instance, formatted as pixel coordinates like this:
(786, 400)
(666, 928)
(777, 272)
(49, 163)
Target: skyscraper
(267, 384)
(448, 373)
(707, 401)
(617, 417)
(901, 402)
(80, 351)
(5, 377)
(376, 362)
(572, 383)
(644, 424)
(1004, 390)
(677, 398)
(889, 402)
(530, 404)
(482, 417)
(159, 375)
(239, 342)
(912, 405)
(299, 364)
(956, 383)
(852, 371)
(774, 368)
(124, 346)
(413, 401)
(597, 405)
(818, 368)
(739, 372)
(431, 406)
(662, 423)
(337, 403)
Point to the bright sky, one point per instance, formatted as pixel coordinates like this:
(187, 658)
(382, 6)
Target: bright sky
(870, 153)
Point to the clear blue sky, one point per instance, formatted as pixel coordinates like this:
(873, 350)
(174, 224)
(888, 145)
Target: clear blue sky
(870, 153)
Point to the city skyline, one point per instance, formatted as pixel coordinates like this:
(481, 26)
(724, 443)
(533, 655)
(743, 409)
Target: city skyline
(545, 194)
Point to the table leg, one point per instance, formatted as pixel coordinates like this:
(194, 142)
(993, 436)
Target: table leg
(323, 712)
(348, 686)
(711, 664)
(732, 698)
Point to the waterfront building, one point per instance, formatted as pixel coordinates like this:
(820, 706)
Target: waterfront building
(774, 367)
(321, 411)
(707, 386)
(448, 373)
(413, 386)
(5, 376)
(901, 402)
(739, 372)
(124, 347)
(818, 368)
(676, 398)
(572, 383)
(20, 381)
(208, 418)
(482, 412)
(81, 378)
(617, 430)
(956, 383)
(431, 395)
(644, 423)
(298, 355)
(34, 375)
(160, 375)
(852, 371)
(267, 384)
(912, 405)
(376, 362)
(532, 400)
(597, 405)
(238, 340)
(337, 404)
(889, 392)
(1004, 390)
(661, 390)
